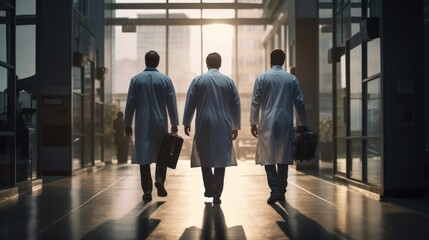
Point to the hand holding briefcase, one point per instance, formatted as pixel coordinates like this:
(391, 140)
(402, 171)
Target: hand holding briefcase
(170, 150)
(304, 144)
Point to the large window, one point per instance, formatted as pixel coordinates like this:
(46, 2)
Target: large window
(373, 57)
(26, 87)
(341, 117)
(356, 113)
(88, 116)
(251, 60)
(184, 62)
(98, 118)
(7, 97)
(358, 98)
(152, 38)
(374, 142)
(183, 40)
(18, 94)
(98, 131)
(78, 135)
(325, 91)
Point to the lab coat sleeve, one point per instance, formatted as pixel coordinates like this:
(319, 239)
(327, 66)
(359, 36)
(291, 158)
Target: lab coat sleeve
(299, 104)
(235, 109)
(190, 105)
(256, 102)
(172, 104)
(130, 106)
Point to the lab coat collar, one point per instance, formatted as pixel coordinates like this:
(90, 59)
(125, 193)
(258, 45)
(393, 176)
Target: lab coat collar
(150, 69)
(277, 67)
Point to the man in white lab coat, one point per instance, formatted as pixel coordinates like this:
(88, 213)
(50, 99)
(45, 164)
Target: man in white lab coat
(150, 95)
(217, 103)
(275, 93)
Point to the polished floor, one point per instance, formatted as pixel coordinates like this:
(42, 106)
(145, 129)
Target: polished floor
(107, 205)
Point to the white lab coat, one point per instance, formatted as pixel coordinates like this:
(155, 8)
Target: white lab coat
(217, 103)
(150, 95)
(275, 93)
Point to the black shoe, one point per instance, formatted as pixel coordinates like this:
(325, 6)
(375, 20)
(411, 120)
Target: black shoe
(273, 199)
(161, 190)
(217, 200)
(147, 197)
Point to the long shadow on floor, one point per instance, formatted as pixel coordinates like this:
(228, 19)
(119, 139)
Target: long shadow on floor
(136, 224)
(214, 226)
(298, 226)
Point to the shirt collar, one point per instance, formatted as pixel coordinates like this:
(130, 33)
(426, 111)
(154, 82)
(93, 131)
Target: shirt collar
(277, 67)
(150, 69)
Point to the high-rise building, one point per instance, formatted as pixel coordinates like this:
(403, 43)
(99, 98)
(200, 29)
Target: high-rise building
(178, 49)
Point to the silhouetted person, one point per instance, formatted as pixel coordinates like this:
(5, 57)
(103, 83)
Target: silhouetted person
(275, 93)
(121, 141)
(215, 99)
(151, 95)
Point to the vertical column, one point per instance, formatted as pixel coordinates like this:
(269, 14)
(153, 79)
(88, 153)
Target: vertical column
(55, 18)
(426, 77)
(402, 64)
(306, 63)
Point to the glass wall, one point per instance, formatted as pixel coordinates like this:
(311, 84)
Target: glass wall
(325, 90)
(88, 117)
(78, 134)
(184, 63)
(341, 117)
(98, 120)
(358, 112)
(88, 112)
(26, 86)
(373, 129)
(373, 143)
(18, 93)
(183, 46)
(7, 97)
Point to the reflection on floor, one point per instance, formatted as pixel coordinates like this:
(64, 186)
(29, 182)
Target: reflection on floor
(107, 205)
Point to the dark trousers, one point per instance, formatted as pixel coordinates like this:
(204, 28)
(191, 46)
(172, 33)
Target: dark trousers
(213, 181)
(146, 178)
(277, 178)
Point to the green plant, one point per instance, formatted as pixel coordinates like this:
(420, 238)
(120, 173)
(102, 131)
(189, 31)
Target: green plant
(325, 129)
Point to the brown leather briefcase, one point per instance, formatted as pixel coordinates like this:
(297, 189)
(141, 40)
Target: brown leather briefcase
(170, 150)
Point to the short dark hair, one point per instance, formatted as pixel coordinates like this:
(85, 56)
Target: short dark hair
(151, 59)
(277, 57)
(214, 60)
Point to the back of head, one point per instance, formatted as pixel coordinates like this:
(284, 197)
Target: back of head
(214, 60)
(151, 59)
(277, 57)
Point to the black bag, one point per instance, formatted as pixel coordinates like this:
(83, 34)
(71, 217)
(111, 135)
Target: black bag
(170, 150)
(304, 144)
